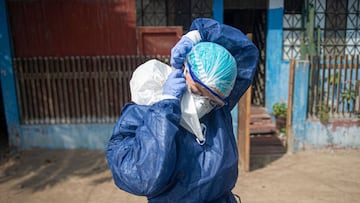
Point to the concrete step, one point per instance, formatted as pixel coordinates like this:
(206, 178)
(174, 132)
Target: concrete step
(257, 110)
(260, 116)
(262, 129)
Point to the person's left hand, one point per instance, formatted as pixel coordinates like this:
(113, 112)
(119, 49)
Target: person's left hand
(179, 52)
(175, 85)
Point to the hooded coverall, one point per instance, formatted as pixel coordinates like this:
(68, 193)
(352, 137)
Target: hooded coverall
(151, 155)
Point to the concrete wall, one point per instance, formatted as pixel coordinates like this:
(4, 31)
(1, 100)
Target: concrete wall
(277, 70)
(89, 136)
(309, 133)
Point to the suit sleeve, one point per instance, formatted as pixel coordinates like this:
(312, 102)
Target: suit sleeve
(141, 152)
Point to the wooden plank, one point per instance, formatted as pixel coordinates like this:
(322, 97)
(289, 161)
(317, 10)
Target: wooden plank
(338, 85)
(70, 90)
(357, 77)
(57, 90)
(313, 68)
(92, 75)
(39, 97)
(328, 82)
(126, 80)
(32, 92)
(332, 109)
(344, 89)
(66, 95)
(243, 136)
(81, 73)
(101, 90)
(50, 103)
(27, 89)
(351, 68)
(61, 96)
(115, 84)
(316, 99)
(97, 64)
(76, 67)
(43, 82)
(289, 133)
(87, 100)
(322, 87)
(110, 74)
(105, 90)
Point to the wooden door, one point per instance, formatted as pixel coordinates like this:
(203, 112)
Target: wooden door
(157, 40)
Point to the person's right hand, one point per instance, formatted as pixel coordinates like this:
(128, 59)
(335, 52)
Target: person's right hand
(179, 52)
(175, 85)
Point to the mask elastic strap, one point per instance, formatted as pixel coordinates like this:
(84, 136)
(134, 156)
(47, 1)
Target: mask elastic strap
(203, 129)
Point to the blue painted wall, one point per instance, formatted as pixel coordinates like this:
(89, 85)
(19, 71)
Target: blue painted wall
(89, 136)
(218, 10)
(11, 110)
(306, 133)
(320, 135)
(300, 93)
(277, 70)
(312, 133)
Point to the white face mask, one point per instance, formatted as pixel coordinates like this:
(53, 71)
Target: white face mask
(193, 107)
(202, 104)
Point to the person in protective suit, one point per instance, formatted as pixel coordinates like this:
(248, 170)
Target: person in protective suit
(151, 154)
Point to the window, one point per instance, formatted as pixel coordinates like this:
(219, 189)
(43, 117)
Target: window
(293, 27)
(339, 23)
(171, 12)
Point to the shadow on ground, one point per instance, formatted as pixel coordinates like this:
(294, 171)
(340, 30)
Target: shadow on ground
(38, 169)
(260, 161)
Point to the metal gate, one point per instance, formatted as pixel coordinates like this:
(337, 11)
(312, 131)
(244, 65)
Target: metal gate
(172, 12)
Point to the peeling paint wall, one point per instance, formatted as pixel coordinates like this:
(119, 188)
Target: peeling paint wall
(89, 136)
(277, 70)
(308, 133)
(327, 135)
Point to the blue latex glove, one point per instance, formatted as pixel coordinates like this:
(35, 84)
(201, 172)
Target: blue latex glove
(179, 52)
(175, 85)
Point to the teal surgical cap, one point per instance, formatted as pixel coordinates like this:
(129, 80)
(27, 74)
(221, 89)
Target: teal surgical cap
(214, 66)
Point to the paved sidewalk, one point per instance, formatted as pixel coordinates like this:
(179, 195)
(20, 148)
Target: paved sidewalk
(82, 176)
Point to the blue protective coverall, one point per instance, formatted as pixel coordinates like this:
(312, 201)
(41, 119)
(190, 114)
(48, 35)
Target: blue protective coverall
(151, 155)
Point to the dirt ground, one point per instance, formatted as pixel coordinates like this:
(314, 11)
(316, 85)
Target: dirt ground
(76, 176)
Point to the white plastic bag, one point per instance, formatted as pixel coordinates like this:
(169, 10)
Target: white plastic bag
(146, 86)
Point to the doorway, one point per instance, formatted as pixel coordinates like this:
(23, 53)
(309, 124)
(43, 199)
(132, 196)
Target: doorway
(260, 144)
(252, 21)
